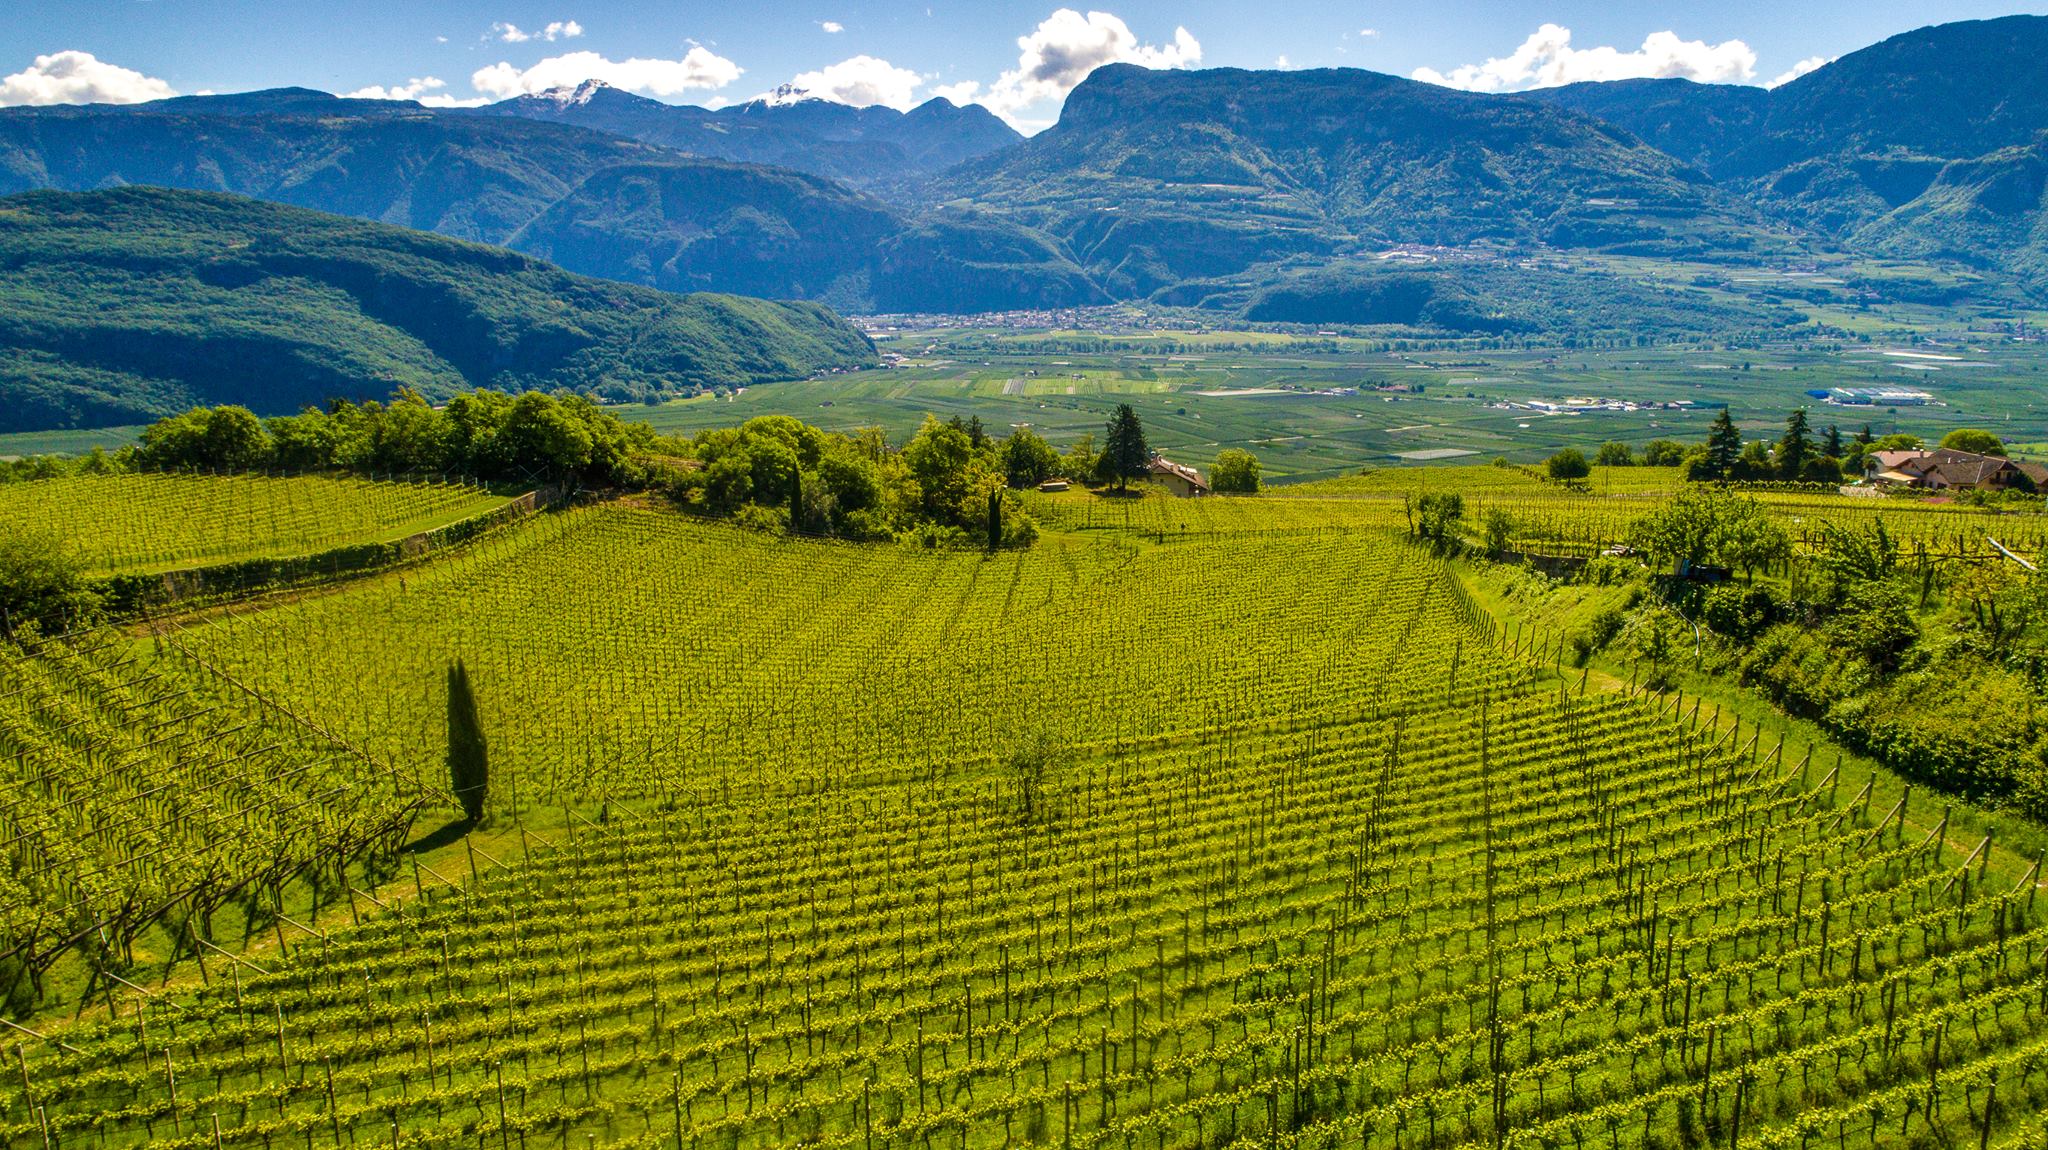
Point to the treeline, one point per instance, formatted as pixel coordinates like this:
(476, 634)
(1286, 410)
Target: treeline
(1799, 455)
(488, 435)
(952, 484)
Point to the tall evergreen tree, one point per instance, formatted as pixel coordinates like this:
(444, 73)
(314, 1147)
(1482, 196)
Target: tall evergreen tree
(1795, 447)
(1127, 455)
(1833, 450)
(995, 520)
(1724, 444)
(469, 768)
(1864, 437)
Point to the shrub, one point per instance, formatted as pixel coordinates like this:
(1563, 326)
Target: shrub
(41, 585)
(1739, 612)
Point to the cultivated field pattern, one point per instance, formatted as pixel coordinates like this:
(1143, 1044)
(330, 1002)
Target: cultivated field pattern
(1252, 837)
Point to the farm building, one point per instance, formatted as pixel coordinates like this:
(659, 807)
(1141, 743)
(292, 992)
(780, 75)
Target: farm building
(1183, 481)
(1878, 397)
(1942, 470)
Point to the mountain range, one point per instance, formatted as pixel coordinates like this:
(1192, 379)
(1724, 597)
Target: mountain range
(1208, 188)
(1927, 146)
(872, 147)
(123, 305)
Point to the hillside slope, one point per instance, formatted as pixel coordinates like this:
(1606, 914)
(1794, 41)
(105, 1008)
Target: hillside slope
(604, 204)
(1153, 177)
(123, 305)
(1928, 145)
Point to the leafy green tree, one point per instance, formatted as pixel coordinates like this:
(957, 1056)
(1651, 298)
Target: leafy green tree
(226, 438)
(1080, 462)
(469, 767)
(1125, 452)
(1795, 447)
(1973, 440)
(854, 483)
(1821, 469)
(1438, 516)
(1663, 453)
(938, 457)
(1028, 459)
(41, 585)
(1236, 472)
(541, 437)
(1568, 464)
(1724, 446)
(1499, 529)
(1614, 453)
(1710, 525)
(309, 441)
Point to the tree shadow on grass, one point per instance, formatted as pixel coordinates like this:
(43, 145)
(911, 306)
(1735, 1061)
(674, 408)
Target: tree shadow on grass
(445, 836)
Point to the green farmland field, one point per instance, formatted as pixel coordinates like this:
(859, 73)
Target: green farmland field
(154, 522)
(1200, 823)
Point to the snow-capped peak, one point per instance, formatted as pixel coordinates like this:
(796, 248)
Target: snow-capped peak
(577, 96)
(785, 95)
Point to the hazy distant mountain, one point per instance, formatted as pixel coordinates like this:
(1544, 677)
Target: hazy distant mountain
(869, 147)
(464, 176)
(599, 203)
(124, 305)
(1154, 177)
(1928, 145)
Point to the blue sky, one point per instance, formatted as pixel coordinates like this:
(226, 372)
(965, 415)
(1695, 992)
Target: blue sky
(886, 51)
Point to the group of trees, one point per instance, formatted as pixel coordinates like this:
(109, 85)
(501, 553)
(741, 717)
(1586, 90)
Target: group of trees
(487, 434)
(1800, 455)
(1796, 457)
(949, 484)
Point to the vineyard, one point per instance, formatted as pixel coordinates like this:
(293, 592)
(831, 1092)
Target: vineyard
(138, 522)
(1199, 824)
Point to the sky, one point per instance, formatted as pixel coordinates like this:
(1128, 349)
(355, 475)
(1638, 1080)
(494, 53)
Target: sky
(1016, 57)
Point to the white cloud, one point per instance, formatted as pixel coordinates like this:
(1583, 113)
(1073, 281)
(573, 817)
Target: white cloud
(1369, 33)
(1281, 62)
(863, 81)
(1066, 47)
(700, 68)
(1547, 59)
(412, 89)
(558, 30)
(832, 26)
(960, 93)
(425, 89)
(79, 78)
(1800, 69)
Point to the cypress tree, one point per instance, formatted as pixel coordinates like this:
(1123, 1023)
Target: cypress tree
(995, 520)
(469, 768)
